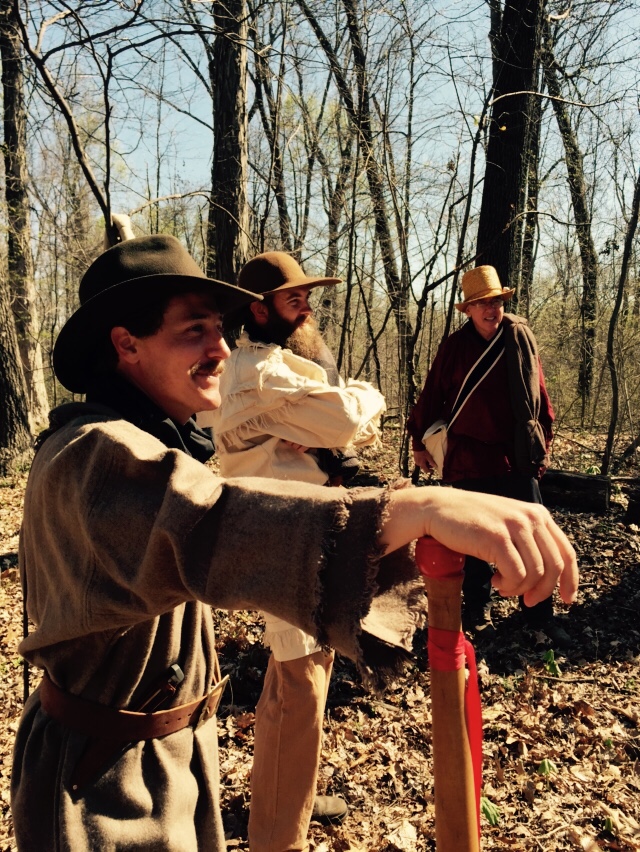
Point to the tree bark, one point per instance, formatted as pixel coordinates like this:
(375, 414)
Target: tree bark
(227, 243)
(581, 212)
(515, 52)
(15, 435)
(530, 204)
(622, 282)
(19, 260)
(360, 115)
(269, 107)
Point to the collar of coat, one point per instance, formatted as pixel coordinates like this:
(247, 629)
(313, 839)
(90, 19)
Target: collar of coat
(117, 397)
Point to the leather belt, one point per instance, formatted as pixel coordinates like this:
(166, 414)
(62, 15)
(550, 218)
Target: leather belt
(111, 730)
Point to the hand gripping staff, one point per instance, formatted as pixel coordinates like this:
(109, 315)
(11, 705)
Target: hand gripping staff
(455, 703)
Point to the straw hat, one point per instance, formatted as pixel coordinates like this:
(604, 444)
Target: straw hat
(482, 283)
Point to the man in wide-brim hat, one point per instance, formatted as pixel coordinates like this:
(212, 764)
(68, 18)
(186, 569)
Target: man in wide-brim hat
(128, 540)
(498, 440)
(286, 414)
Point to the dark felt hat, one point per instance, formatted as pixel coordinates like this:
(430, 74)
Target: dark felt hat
(277, 270)
(129, 275)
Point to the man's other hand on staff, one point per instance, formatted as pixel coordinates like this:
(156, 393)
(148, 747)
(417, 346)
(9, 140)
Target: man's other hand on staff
(531, 553)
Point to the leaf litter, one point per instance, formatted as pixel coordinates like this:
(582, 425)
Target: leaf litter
(561, 727)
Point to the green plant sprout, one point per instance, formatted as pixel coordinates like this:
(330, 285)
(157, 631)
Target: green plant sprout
(489, 811)
(547, 768)
(550, 664)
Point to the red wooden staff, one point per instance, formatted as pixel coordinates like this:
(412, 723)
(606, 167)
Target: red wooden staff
(455, 703)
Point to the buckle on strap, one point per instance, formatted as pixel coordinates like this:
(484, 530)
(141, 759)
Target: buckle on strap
(210, 704)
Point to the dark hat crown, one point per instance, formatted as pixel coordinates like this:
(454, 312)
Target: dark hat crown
(133, 275)
(269, 271)
(277, 270)
(156, 255)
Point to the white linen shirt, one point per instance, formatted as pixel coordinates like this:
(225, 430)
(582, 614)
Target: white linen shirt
(271, 396)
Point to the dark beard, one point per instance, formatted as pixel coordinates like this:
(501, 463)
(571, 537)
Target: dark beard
(277, 330)
(302, 338)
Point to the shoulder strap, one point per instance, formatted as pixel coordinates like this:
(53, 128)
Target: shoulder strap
(482, 367)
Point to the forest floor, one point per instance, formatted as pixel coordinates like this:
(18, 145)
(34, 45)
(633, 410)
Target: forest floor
(561, 729)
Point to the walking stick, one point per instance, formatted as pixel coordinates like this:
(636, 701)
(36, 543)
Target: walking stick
(455, 703)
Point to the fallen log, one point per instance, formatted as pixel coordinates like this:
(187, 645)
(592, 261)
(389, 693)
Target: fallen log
(632, 515)
(582, 492)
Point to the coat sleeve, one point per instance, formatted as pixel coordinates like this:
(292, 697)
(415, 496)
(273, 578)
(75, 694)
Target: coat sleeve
(430, 404)
(547, 415)
(133, 529)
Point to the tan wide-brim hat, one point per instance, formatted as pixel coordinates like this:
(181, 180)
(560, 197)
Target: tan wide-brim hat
(276, 270)
(482, 283)
(130, 273)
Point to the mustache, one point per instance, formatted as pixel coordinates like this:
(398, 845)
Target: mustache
(214, 366)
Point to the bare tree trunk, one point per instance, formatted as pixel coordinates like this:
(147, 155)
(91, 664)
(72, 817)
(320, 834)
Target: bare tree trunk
(227, 243)
(19, 260)
(337, 198)
(622, 282)
(360, 115)
(15, 435)
(532, 187)
(577, 188)
(269, 107)
(515, 52)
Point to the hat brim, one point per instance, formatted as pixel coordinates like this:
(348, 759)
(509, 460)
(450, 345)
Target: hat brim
(505, 296)
(318, 281)
(82, 336)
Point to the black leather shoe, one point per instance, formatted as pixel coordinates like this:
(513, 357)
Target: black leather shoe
(329, 810)
(553, 630)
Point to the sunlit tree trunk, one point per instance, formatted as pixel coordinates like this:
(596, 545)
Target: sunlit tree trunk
(15, 436)
(19, 261)
(582, 214)
(227, 243)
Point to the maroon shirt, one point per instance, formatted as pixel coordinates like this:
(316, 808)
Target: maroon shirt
(480, 441)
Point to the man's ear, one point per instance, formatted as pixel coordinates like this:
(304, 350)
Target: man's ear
(125, 345)
(260, 312)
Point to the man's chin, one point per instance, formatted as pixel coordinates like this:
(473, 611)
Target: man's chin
(210, 401)
(208, 390)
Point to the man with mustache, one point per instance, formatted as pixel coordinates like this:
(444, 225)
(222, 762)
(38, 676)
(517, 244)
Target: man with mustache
(287, 415)
(128, 541)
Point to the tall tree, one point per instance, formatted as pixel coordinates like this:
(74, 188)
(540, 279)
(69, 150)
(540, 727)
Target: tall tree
(359, 110)
(19, 260)
(15, 436)
(227, 243)
(611, 363)
(515, 37)
(582, 214)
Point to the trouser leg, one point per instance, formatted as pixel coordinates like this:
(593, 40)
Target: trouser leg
(288, 742)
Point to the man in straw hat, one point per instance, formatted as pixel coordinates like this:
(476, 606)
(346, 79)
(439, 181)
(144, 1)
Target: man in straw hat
(287, 415)
(498, 441)
(128, 540)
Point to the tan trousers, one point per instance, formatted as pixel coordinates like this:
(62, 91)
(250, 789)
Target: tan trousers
(288, 742)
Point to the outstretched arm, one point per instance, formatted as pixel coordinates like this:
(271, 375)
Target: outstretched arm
(531, 553)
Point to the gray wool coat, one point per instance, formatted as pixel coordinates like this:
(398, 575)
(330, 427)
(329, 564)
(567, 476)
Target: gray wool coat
(124, 548)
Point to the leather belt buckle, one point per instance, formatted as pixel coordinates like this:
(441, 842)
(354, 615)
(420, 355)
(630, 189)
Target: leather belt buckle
(211, 703)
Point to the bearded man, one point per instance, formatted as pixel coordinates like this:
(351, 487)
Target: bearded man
(286, 414)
